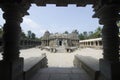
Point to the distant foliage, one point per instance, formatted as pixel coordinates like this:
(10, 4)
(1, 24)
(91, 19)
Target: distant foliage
(89, 35)
(75, 31)
(66, 32)
(85, 35)
(23, 35)
(33, 36)
(29, 35)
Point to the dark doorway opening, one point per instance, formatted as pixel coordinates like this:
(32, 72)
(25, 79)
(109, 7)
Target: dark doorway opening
(60, 43)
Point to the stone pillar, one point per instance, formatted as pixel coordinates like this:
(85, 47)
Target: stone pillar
(110, 35)
(11, 67)
(110, 64)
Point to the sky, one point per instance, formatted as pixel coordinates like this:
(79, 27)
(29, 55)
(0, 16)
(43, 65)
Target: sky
(57, 19)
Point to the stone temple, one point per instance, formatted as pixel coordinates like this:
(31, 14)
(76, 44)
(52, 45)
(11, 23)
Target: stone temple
(58, 39)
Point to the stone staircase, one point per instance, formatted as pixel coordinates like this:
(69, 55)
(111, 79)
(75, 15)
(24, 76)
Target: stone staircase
(61, 49)
(54, 73)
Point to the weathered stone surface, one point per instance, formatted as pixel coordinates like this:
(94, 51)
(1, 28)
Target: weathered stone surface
(89, 64)
(14, 68)
(33, 64)
(61, 74)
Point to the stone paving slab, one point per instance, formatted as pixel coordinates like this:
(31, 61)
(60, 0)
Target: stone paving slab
(61, 74)
(96, 53)
(58, 76)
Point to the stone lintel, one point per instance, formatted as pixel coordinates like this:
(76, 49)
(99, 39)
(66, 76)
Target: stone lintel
(78, 3)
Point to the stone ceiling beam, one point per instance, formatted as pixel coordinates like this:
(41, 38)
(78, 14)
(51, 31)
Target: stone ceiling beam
(100, 6)
(63, 2)
(101, 10)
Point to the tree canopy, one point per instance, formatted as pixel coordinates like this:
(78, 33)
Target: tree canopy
(89, 35)
(29, 35)
(66, 32)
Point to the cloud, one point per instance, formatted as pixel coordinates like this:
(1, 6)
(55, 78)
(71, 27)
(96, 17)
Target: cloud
(33, 26)
(30, 22)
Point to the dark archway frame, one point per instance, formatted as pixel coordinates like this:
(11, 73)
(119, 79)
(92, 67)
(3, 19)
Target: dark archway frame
(106, 10)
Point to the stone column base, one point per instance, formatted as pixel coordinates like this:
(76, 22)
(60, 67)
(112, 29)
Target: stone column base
(11, 70)
(109, 70)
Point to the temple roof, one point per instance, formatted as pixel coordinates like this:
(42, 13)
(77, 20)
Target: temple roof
(60, 35)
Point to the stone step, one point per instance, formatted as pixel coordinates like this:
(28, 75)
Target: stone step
(32, 65)
(61, 74)
(89, 64)
(61, 49)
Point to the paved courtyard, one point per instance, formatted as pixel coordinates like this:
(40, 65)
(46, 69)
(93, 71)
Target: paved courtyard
(59, 59)
(60, 65)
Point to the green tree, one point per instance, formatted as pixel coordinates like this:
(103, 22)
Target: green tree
(92, 34)
(81, 36)
(29, 34)
(75, 31)
(33, 36)
(85, 34)
(66, 32)
(23, 36)
(98, 32)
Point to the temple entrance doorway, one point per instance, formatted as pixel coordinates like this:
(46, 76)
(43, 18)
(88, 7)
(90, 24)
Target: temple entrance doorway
(60, 43)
